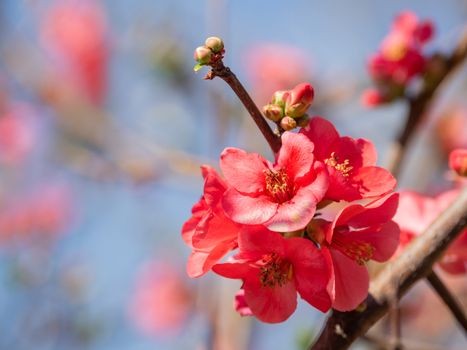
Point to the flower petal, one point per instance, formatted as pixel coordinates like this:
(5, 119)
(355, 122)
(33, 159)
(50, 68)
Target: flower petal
(270, 304)
(312, 272)
(373, 181)
(351, 282)
(200, 262)
(257, 240)
(243, 171)
(248, 210)
(323, 135)
(295, 155)
(384, 239)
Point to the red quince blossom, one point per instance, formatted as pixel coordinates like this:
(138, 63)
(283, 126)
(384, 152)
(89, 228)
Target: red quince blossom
(209, 232)
(400, 57)
(458, 161)
(349, 162)
(359, 233)
(281, 196)
(274, 269)
(162, 300)
(414, 215)
(76, 34)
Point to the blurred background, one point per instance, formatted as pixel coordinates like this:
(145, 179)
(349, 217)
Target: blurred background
(103, 126)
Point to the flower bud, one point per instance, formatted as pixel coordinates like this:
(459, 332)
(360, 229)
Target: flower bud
(280, 97)
(288, 123)
(458, 161)
(215, 44)
(202, 55)
(299, 100)
(273, 112)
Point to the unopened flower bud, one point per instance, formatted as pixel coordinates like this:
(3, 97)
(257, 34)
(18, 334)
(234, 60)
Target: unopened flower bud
(458, 161)
(280, 97)
(288, 123)
(215, 44)
(299, 100)
(202, 55)
(273, 112)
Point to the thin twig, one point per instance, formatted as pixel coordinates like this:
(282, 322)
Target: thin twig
(223, 72)
(420, 103)
(414, 263)
(449, 299)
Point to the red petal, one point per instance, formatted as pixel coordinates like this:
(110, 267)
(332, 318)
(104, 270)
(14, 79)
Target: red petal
(377, 212)
(248, 210)
(351, 282)
(268, 304)
(243, 171)
(235, 270)
(384, 239)
(257, 240)
(312, 272)
(295, 155)
(323, 134)
(373, 181)
(200, 262)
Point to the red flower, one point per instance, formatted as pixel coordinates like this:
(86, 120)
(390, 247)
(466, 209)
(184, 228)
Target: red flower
(281, 196)
(458, 161)
(357, 234)
(274, 269)
(209, 232)
(414, 215)
(350, 163)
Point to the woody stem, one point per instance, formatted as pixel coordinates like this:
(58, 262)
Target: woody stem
(219, 70)
(448, 299)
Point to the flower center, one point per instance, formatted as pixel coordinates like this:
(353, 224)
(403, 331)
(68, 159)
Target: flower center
(277, 185)
(274, 270)
(355, 249)
(344, 168)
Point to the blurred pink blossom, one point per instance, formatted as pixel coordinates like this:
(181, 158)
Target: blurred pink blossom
(47, 212)
(75, 33)
(273, 67)
(17, 134)
(161, 301)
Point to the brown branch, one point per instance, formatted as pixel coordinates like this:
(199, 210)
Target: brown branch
(442, 68)
(223, 72)
(449, 299)
(416, 262)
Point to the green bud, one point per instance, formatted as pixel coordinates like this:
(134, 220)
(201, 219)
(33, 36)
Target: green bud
(202, 55)
(288, 123)
(215, 44)
(273, 112)
(280, 97)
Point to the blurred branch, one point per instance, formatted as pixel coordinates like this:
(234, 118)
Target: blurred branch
(416, 262)
(444, 67)
(223, 72)
(448, 298)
